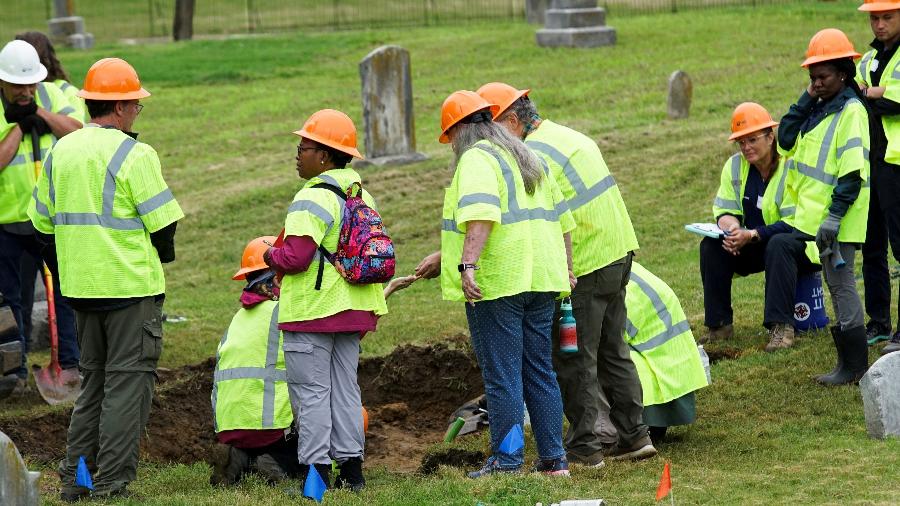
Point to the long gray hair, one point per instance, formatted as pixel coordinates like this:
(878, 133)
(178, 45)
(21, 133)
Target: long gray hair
(467, 134)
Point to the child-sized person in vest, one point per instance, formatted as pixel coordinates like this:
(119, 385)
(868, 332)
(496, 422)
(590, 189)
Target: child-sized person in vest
(322, 314)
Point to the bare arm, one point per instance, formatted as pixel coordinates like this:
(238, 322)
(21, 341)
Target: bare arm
(477, 233)
(59, 124)
(9, 146)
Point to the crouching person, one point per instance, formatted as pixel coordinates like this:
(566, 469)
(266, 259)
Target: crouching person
(250, 394)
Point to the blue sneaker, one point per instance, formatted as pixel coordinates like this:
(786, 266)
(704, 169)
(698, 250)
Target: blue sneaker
(553, 467)
(491, 466)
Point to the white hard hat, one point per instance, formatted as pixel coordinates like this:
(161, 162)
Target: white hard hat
(20, 64)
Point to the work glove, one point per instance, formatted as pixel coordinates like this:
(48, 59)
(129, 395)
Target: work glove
(34, 124)
(827, 234)
(14, 112)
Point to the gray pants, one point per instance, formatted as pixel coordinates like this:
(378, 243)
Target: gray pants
(602, 362)
(321, 373)
(842, 286)
(119, 353)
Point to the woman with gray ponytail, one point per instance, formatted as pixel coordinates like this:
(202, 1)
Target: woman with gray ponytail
(505, 251)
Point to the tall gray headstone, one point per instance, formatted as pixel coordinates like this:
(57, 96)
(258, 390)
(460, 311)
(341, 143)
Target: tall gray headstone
(881, 397)
(575, 23)
(388, 108)
(68, 29)
(681, 91)
(18, 485)
(534, 11)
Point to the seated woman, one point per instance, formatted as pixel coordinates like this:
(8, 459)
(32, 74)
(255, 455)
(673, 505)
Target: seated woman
(753, 205)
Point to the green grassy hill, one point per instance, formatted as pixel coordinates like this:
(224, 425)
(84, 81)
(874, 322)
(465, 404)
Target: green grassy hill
(221, 116)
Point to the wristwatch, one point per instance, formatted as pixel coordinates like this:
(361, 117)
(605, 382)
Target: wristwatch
(754, 235)
(463, 267)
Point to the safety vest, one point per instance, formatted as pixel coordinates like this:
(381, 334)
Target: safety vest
(76, 102)
(777, 203)
(525, 251)
(890, 79)
(603, 232)
(250, 383)
(316, 212)
(18, 177)
(662, 345)
(837, 146)
(102, 193)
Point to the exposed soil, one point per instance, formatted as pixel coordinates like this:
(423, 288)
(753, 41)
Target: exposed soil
(409, 394)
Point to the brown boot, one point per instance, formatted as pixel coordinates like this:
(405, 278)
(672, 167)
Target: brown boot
(781, 335)
(723, 333)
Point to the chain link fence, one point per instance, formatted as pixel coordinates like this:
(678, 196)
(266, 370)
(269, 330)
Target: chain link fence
(111, 20)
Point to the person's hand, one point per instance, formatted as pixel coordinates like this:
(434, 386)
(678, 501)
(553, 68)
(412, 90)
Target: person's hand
(430, 266)
(14, 112)
(34, 124)
(736, 239)
(572, 280)
(827, 234)
(399, 284)
(470, 286)
(875, 92)
(809, 90)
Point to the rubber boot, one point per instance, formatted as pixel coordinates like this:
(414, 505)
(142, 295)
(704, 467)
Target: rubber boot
(853, 358)
(351, 475)
(835, 336)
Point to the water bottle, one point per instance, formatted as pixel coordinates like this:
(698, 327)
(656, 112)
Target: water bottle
(568, 337)
(704, 359)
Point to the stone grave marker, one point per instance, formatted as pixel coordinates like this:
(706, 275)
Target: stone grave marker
(18, 485)
(881, 397)
(388, 108)
(681, 90)
(575, 23)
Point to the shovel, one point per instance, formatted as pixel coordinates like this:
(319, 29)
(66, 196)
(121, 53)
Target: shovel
(56, 386)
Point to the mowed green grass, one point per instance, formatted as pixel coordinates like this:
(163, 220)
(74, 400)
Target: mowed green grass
(221, 116)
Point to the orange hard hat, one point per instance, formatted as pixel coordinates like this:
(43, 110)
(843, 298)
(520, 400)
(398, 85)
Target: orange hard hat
(879, 5)
(112, 79)
(749, 117)
(253, 256)
(458, 106)
(501, 94)
(829, 44)
(365, 414)
(333, 129)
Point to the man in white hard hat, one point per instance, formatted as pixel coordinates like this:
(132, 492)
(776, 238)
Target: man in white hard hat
(34, 114)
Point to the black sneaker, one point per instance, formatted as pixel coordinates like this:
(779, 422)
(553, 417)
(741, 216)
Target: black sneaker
(554, 467)
(74, 493)
(876, 332)
(892, 345)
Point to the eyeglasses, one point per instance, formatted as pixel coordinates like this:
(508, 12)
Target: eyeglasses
(140, 107)
(749, 140)
(301, 149)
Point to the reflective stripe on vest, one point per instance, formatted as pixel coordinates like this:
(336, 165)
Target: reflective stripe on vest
(734, 205)
(818, 172)
(46, 103)
(779, 195)
(662, 311)
(514, 213)
(864, 66)
(583, 195)
(268, 374)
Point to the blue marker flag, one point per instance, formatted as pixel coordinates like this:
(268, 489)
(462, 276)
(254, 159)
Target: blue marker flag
(83, 476)
(315, 485)
(514, 440)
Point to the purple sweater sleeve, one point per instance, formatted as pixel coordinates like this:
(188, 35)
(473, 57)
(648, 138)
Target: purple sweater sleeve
(295, 255)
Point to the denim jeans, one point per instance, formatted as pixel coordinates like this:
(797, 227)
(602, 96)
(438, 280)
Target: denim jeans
(12, 248)
(511, 339)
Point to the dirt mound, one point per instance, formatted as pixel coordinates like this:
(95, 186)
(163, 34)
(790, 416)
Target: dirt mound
(409, 395)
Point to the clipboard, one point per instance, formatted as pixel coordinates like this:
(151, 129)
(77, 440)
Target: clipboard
(706, 230)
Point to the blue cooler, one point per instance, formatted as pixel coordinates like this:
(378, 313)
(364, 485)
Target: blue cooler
(809, 308)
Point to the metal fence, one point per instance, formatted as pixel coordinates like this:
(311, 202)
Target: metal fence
(111, 20)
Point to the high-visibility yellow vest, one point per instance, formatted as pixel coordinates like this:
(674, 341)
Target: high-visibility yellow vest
(75, 102)
(250, 383)
(837, 146)
(603, 232)
(17, 178)
(102, 193)
(525, 251)
(890, 79)
(662, 345)
(316, 213)
(777, 202)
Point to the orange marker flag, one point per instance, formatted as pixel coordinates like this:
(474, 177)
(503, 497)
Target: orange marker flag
(665, 483)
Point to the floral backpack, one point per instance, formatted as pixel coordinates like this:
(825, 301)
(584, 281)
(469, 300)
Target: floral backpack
(365, 253)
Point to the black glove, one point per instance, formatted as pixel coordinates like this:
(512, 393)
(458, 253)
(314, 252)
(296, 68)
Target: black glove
(34, 124)
(14, 112)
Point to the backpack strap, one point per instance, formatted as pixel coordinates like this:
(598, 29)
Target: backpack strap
(323, 253)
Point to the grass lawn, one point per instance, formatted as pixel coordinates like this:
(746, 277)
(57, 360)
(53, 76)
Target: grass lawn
(221, 116)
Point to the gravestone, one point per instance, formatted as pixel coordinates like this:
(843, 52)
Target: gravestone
(881, 397)
(39, 338)
(575, 23)
(535, 10)
(67, 29)
(388, 108)
(18, 485)
(681, 90)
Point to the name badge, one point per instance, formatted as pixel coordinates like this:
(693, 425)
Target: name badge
(759, 204)
(874, 66)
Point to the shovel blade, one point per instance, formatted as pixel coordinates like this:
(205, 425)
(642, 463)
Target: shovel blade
(57, 386)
